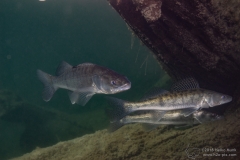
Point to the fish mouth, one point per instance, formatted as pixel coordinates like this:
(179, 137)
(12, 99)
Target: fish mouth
(226, 100)
(125, 87)
(229, 99)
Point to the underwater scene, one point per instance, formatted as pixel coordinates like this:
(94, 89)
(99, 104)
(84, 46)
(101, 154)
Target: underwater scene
(40, 35)
(77, 82)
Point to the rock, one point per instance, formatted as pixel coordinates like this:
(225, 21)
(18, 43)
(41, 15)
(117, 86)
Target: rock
(198, 37)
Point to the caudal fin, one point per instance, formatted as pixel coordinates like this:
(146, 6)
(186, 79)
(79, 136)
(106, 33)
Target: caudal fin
(49, 89)
(118, 111)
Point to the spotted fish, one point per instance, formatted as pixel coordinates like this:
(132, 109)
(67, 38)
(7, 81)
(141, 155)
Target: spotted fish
(188, 99)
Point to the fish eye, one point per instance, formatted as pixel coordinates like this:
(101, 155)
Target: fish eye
(114, 83)
(223, 97)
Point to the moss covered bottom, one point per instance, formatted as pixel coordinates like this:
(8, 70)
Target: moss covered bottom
(206, 141)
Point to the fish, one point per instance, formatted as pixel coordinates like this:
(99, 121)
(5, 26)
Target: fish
(82, 82)
(187, 97)
(150, 120)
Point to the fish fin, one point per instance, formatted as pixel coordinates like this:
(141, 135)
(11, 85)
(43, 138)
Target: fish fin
(198, 120)
(115, 126)
(188, 111)
(205, 104)
(185, 84)
(84, 64)
(73, 96)
(118, 111)
(80, 98)
(149, 126)
(63, 67)
(155, 92)
(49, 88)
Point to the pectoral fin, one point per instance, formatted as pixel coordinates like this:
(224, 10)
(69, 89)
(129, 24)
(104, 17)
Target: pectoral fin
(188, 111)
(80, 98)
(198, 120)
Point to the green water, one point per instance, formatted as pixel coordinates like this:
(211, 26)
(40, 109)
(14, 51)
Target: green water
(39, 35)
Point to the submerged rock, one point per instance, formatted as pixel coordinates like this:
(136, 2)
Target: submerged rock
(197, 37)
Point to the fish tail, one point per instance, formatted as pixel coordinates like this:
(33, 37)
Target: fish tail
(118, 111)
(49, 88)
(115, 126)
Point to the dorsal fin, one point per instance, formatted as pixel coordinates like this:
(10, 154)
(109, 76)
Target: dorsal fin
(62, 67)
(153, 93)
(185, 84)
(84, 64)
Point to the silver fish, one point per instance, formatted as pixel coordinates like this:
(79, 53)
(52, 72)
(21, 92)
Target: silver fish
(175, 117)
(83, 81)
(190, 100)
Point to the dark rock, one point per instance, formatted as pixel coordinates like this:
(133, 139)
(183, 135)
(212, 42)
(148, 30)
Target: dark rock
(198, 37)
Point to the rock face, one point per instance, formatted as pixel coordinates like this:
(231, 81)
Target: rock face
(198, 37)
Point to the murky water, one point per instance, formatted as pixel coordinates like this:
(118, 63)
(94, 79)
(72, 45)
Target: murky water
(39, 35)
